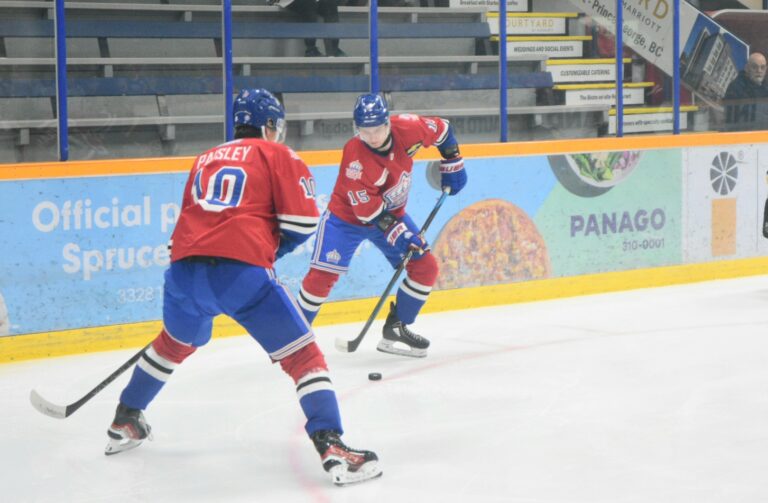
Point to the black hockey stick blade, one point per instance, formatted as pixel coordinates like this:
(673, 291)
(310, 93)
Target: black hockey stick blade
(63, 411)
(350, 346)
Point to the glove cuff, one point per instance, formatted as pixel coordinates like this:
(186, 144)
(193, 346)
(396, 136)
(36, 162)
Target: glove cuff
(395, 231)
(452, 165)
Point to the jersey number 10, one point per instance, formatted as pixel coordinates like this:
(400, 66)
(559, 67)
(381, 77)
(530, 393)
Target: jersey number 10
(225, 189)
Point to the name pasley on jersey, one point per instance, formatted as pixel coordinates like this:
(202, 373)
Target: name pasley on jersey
(368, 182)
(238, 198)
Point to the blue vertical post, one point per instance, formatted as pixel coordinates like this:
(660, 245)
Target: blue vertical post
(619, 68)
(60, 34)
(373, 39)
(676, 67)
(503, 127)
(226, 37)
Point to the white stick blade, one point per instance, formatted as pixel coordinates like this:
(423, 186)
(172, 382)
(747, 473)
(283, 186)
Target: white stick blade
(342, 345)
(46, 407)
(433, 175)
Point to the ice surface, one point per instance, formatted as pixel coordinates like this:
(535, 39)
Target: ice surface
(647, 396)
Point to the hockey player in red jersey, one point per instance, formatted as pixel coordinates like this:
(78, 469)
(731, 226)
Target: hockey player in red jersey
(246, 203)
(368, 202)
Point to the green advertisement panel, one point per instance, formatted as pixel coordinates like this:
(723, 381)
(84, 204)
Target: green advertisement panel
(628, 222)
(528, 218)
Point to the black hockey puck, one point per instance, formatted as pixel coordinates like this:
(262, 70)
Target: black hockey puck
(374, 376)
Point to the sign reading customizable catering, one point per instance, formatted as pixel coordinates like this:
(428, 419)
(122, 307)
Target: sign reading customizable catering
(582, 72)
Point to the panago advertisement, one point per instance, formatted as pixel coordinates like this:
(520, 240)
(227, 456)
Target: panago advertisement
(91, 251)
(561, 215)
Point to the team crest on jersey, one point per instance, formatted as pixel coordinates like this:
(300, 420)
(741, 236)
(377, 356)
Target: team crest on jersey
(413, 149)
(354, 170)
(333, 257)
(397, 195)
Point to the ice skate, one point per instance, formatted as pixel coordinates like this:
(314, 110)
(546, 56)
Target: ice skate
(399, 340)
(344, 464)
(128, 430)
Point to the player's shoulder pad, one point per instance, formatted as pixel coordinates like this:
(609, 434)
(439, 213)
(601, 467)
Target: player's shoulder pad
(293, 153)
(279, 149)
(404, 117)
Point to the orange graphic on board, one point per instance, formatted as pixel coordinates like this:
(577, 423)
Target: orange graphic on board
(723, 227)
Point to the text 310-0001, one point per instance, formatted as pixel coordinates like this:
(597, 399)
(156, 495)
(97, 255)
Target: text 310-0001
(642, 244)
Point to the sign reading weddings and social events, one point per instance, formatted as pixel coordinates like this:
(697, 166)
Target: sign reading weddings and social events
(91, 251)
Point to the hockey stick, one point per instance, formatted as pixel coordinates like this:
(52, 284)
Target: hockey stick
(63, 411)
(347, 346)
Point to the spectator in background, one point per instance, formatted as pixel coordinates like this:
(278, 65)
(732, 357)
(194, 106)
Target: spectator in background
(750, 83)
(745, 104)
(310, 11)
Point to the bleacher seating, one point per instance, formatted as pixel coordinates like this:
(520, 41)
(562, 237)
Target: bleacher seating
(146, 78)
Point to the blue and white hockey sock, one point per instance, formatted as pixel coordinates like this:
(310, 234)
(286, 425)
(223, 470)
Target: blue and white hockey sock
(310, 304)
(411, 296)
(149, 376)
(318, 401)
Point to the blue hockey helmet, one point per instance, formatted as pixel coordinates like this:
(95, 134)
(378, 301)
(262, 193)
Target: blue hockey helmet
(370, 110)
(260, 109)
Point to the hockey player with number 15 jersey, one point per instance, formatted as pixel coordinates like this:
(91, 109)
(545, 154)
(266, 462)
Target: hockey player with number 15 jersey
(368, 202)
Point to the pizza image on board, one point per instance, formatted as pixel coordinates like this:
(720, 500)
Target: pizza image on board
(488, 243)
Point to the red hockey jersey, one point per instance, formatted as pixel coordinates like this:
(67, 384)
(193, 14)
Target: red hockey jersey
(368, 182)
(238, 198)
